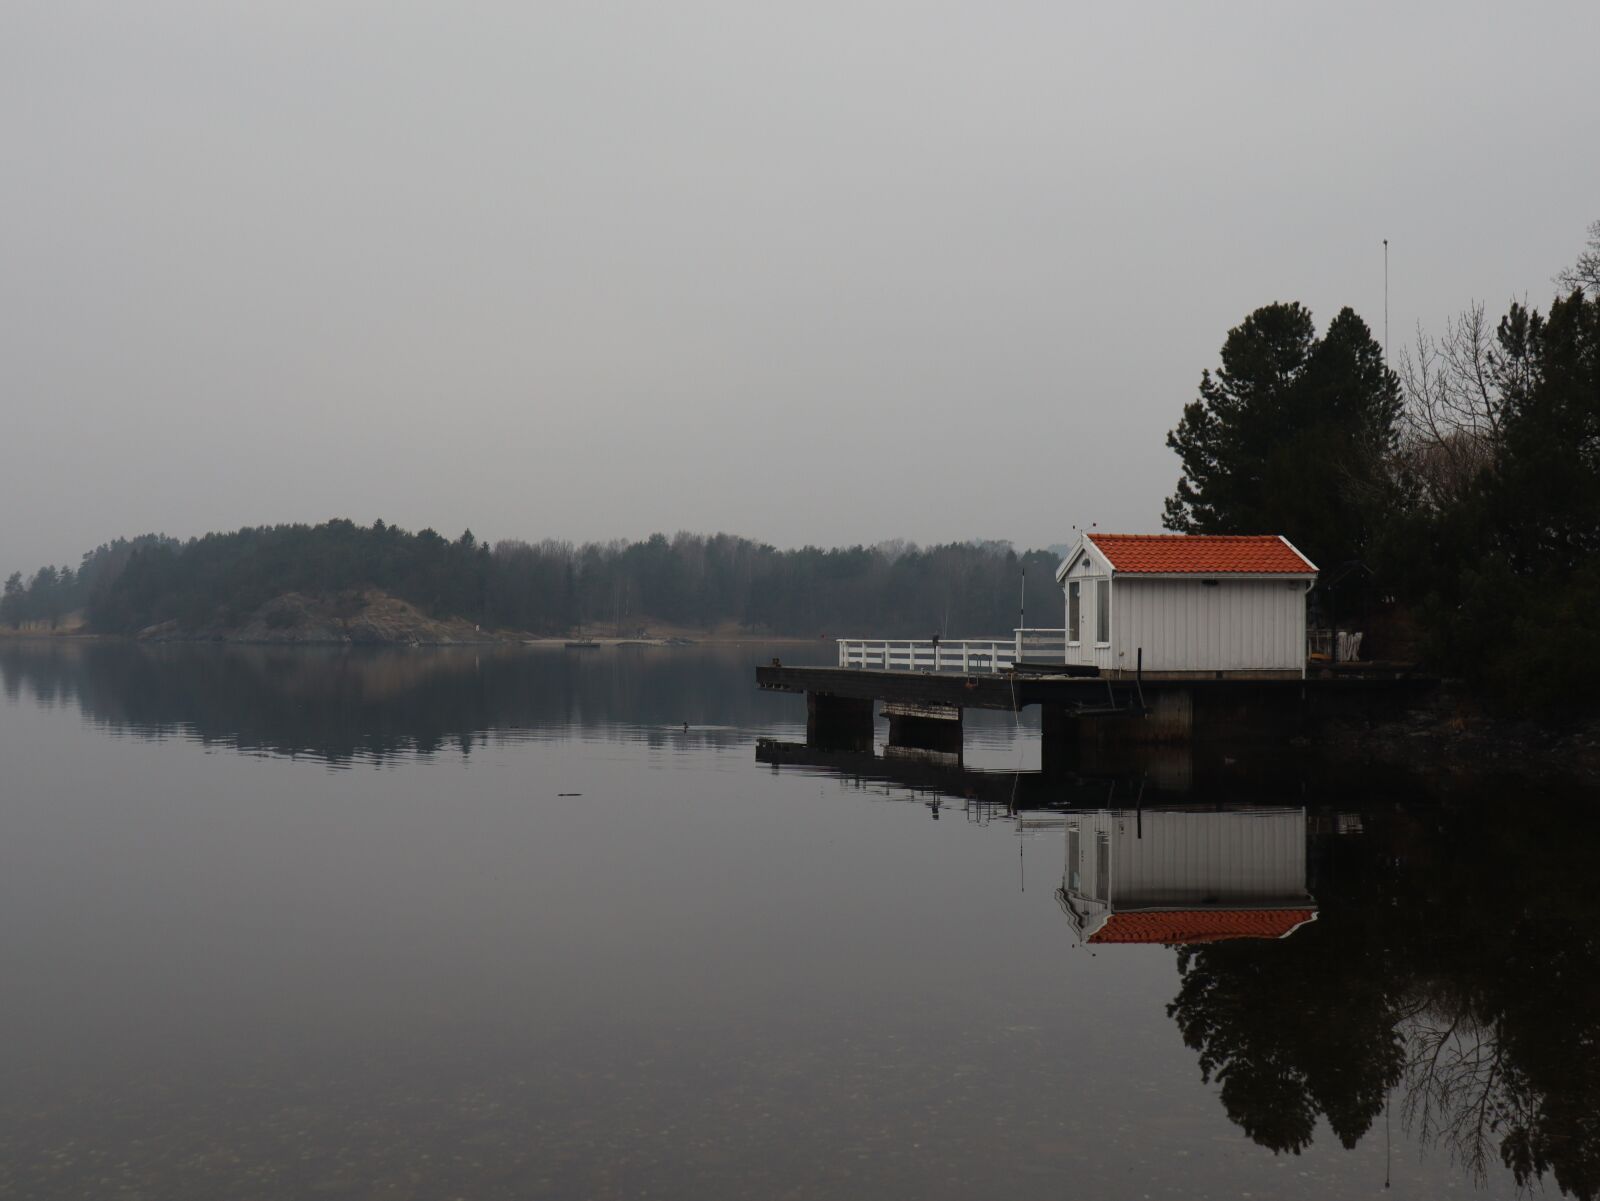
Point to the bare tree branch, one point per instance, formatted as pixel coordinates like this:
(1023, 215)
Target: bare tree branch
(1585, 273)
(1452, 416)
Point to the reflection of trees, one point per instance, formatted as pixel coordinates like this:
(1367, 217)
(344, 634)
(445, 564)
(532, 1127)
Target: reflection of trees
(1504, 1058)
(1286, 1038)
(341, 704)
(1455, 1085)
(1456, 958)
(1283, 1049)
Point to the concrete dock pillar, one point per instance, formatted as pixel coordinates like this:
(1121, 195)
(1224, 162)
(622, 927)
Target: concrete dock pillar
(925, 727)
(838, 723)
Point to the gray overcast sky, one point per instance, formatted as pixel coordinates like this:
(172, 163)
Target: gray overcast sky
(813, 272)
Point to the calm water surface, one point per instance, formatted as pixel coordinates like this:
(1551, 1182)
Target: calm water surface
(425, 924)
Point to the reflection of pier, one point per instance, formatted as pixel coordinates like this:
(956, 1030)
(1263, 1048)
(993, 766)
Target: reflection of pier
(1148, 858)
(1168, 871)
(919, 771)
(922, 758)
(1185, 877)
(1161, 777)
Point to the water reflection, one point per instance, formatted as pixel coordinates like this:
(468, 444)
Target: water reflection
(1385, 947)
(1455, 960)
(372, 704)
(720, 970)
(1182, 878)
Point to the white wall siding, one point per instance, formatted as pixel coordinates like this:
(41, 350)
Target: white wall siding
(1181, 860)
(1186, 625)
(1216, 858)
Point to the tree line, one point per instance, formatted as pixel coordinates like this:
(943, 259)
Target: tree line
(688, 581)
(51, 593)
(1458, 497)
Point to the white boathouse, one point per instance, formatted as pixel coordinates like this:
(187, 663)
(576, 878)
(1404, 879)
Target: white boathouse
(1187, 605)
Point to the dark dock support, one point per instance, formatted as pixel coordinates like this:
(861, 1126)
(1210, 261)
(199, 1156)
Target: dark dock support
(1080, 713)
(839, 723)
(1057, 742)
(1168, 717)
(925, 727)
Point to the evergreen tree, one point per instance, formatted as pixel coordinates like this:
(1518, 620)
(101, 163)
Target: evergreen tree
(1547, 486)
(13, 601)
(44, 595)
(1291, 435)
(1521, 617)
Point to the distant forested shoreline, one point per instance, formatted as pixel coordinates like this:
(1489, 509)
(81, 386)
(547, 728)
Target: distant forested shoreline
(225, 581)
(1452, 506)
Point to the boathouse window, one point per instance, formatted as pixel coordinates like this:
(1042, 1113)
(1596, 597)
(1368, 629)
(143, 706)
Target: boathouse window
(1102, 866)
(1102, 610)
(1074, 609)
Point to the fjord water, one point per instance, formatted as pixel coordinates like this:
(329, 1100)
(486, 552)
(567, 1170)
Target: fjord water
(535, 923)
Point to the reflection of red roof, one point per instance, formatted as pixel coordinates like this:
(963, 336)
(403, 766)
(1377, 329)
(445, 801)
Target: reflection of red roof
(1202, 554)
(1173, 926)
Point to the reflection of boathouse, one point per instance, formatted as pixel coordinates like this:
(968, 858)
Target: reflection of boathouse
(1170, 877)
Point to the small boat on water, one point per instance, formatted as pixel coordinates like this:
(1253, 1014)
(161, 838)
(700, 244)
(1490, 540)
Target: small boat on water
(579, 644)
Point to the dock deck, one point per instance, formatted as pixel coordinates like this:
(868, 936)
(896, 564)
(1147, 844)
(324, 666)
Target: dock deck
(1010, 690)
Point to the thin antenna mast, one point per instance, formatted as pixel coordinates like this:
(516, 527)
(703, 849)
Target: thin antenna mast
(1386, 302)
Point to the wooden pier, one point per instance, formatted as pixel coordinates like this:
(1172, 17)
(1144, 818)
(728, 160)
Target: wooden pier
(924, 708)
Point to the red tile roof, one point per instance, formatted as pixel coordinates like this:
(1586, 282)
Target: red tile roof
(1174, 926)
(1202, 554)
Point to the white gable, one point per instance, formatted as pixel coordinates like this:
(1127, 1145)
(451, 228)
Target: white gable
(1084, 562)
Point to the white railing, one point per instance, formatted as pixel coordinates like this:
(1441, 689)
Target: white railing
(965, 655)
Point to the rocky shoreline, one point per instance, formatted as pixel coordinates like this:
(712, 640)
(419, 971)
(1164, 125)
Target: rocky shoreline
(354, 619)
(1451, 734)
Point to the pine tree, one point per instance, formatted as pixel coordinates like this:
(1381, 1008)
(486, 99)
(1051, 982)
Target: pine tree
(13, 601)
(1291, 435)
